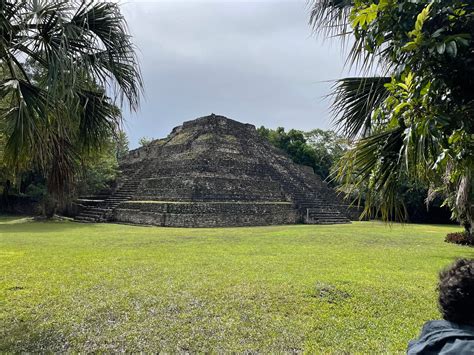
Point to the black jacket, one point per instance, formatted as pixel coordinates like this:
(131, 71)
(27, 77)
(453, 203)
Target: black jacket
(443, 337)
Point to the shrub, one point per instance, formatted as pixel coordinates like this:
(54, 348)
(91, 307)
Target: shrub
(36, 191)
(459, 238)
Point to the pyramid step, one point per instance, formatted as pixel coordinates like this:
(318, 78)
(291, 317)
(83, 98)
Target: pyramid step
(96, 209)
(329, 219)
(326, 215)
(93, 198)
(86, 219)
(333, 222)
(87, 212)
(90, 215)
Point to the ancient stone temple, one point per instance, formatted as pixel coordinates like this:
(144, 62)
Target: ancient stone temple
(211, 172)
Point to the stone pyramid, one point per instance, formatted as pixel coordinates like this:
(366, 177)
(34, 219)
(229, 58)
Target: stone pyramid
(210, 172)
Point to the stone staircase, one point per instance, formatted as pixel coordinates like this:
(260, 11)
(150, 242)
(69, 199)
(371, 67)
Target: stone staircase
(311, 201)
(99, 208)
(316, 210)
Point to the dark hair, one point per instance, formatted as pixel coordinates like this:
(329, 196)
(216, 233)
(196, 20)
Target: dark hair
(456, 291)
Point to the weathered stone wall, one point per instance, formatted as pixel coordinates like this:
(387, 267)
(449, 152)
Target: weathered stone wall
(208, 188)
(201, 214)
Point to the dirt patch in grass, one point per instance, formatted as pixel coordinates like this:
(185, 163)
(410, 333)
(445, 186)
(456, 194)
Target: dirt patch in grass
(330, 293)
(15, 288)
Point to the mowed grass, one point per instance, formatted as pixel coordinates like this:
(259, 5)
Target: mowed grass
(105, 287)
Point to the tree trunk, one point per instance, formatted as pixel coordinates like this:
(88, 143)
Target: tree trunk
(468, 230)
(464, 204)
(49, 206)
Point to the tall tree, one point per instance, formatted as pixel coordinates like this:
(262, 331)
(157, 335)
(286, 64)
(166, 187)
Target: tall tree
(318, 149)
(416, 120)
(88, 66)
(121, 145)
(99, 169)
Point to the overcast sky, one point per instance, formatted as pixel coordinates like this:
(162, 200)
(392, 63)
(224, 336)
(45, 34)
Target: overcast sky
(253, 61)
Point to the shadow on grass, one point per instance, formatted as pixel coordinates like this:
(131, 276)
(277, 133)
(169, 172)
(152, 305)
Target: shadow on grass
(15, 225)
(29, 336)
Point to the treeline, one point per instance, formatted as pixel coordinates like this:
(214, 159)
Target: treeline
(96, 170)
(323, 149)
(318, 148)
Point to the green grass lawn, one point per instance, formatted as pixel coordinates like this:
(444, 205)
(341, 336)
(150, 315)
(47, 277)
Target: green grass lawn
(97, 287)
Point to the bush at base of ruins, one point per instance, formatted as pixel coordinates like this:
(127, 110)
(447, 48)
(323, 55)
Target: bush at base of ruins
(459, 238)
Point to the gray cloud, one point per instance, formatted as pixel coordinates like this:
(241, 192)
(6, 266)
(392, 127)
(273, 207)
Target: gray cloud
(253, 61)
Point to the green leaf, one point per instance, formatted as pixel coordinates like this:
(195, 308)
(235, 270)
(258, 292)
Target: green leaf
(420, 20)
(403, 86)
(364, 16)
(393, 123)
(409, 46)
(425, 89)
(400, 107)
(455, 137)
(441, 48)
(422, 17)
(452, 49)
(462, 41)
(437, 33)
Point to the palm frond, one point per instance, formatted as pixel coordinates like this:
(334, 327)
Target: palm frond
(99, 119)
(330, 17)
(375, 166)
(27, 112)
(354, 101)
(114, 52)
(70, 38)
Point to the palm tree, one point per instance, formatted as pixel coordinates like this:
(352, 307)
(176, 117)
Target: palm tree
(414, 120)
(66, 67)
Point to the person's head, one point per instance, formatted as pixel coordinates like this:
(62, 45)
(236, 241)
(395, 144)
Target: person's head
(456, 292)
